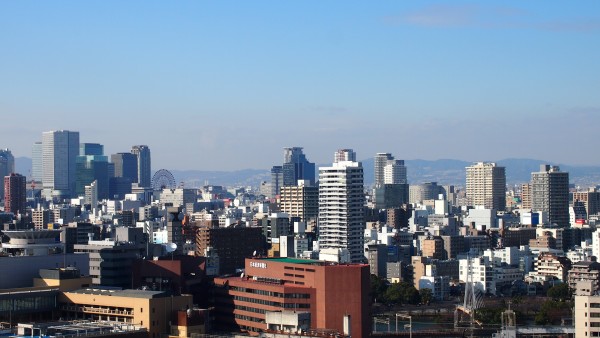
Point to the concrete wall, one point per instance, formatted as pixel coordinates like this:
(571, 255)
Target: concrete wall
(18, 272)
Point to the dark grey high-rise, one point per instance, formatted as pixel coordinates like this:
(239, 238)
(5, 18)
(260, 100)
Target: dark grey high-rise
(550, 194)
(296, 167)
(144, 165)
(126, 165)
(276, 180)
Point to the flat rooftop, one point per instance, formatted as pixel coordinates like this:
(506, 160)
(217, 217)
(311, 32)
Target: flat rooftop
(147, 294)
(294, 260)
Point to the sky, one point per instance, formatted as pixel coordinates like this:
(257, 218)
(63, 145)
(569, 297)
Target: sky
(225, 85)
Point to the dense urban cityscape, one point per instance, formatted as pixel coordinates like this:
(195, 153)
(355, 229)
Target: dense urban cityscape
(299, 169)
(115, 244)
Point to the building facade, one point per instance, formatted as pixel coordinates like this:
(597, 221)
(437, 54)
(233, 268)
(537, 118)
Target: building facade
(486, 185)
(327, 291)
(15, 191)
(144, 165)
(380, 161)
(125, 165)
(341, 208)
(550, 194)
(59, 155)
(296, 166)
(301, 201)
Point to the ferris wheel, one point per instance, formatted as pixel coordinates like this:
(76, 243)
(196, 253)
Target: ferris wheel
(163, 179)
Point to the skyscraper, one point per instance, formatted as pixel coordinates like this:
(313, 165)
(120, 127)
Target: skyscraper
(276, 180)
(91, 149)
(36, 162)
(486, 185)
(15, 193)
(341, 208)
(10, 160)
(59, 154)
(344, 155)
(92, 168)
(144, 165)
(7, 166)
(296, 167)
(550, 193)
(394, 172)
(381, 160)
(125, 165)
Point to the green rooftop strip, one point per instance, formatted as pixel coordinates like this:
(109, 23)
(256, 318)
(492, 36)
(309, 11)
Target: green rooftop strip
(292, 260)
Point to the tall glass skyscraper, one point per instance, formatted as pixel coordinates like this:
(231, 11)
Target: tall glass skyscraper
(36, 162)
(144, 167)
(296, 167)
(59, 155)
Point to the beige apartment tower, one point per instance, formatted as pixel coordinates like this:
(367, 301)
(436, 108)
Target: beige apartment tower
(486, 185)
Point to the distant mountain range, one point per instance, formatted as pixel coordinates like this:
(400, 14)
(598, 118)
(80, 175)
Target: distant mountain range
(444, 171)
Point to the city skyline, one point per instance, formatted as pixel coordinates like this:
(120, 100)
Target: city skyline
(222, 86)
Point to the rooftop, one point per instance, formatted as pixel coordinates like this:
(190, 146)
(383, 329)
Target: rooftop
(294, 260)
(148, 294)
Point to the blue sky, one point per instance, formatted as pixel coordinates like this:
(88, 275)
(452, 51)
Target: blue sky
(224, 85)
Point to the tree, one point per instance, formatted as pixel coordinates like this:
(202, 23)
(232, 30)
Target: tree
(411, 295)
(426, 295)
(560, 292)
(378, 288)
(394, 293)
(552, 312)
(402, 293)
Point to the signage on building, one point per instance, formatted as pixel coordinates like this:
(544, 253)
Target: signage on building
(260, 265)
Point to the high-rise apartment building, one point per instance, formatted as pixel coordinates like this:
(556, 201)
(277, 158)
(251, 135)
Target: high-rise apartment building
(394, 172)
(36, 162)
(550, 194)
(587, 313)
(296, 166)
(144, 165)
(526, 196)
(590, 199)
(15, 187)
(300, 201)
(59, 154)
(486, 185)
(381, 160)
(344, 155)
(341, 208)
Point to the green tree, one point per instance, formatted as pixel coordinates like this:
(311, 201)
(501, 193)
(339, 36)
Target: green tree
(489, 315)
(394, 293)
(426, 295)
(411, 295)
(378, 288)
(560, 292)
(552, 312)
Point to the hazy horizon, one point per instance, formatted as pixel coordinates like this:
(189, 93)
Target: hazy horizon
(226, 85)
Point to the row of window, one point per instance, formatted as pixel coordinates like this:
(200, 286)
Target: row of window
(270, 293)
(271, 303)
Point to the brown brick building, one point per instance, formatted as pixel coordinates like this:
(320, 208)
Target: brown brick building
(327, 291)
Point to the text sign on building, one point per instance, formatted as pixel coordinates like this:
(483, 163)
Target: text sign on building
(260, 265)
